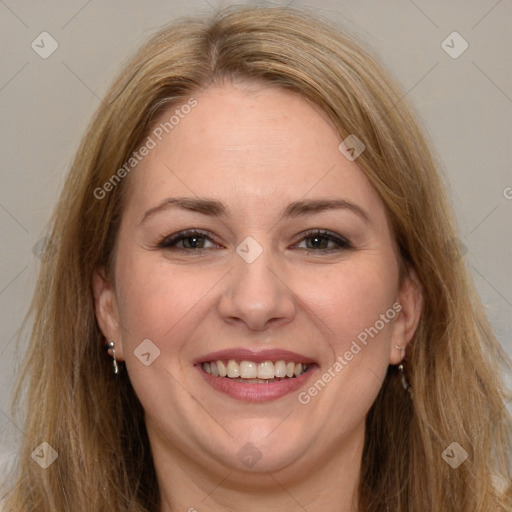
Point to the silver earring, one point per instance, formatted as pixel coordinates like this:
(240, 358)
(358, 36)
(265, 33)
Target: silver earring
(108, 346)
(401, 368)
(405, 384)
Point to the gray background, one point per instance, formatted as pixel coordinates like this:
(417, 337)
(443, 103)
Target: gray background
(465, 103)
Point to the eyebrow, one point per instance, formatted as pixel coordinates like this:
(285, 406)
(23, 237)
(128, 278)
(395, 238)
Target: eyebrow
(214, 208)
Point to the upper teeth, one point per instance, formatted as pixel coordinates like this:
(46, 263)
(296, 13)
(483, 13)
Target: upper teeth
(251, 370)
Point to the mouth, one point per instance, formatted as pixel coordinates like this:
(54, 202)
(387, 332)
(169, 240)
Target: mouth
(256, 377)
(251, 372)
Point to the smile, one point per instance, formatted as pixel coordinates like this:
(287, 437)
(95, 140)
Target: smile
(254, 377)
(253, 372)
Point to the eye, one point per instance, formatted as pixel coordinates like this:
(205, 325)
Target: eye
(320, 240)
(192, 240)
(195, 240)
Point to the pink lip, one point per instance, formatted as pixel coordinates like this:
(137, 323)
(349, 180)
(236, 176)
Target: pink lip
(241, 354)
(256, 392)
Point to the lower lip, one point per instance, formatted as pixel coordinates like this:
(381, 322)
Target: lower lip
(257, 392)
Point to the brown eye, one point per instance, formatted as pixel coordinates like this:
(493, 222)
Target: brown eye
(185, 240)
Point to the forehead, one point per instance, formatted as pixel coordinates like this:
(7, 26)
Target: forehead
(247, 144)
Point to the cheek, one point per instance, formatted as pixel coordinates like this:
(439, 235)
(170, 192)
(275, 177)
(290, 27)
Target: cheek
(355, 303)
(156, 300)
(349, 308)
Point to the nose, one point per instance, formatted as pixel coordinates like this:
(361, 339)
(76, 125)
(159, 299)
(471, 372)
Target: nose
(257, 294)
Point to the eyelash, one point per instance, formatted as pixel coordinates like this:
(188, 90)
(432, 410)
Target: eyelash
(170, 242)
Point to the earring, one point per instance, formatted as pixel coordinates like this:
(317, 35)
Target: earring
(405, 384)
(402, 349)
(401, 368)
(108, 346)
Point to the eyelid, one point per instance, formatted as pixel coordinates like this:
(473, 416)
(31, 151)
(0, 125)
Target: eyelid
(170, 241)
(166, 242)
(343, 242)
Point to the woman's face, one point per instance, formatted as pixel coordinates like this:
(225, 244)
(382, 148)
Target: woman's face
(253, 173)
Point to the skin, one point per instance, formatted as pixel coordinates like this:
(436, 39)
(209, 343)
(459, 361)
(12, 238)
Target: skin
(256, 149)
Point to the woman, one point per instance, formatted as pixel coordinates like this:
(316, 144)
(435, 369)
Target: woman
(255, 231)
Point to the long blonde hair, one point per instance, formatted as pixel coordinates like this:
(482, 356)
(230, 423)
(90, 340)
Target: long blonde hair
(94, 420)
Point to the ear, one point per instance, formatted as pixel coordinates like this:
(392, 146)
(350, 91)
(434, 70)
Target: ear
(106, 310)
(410, 298)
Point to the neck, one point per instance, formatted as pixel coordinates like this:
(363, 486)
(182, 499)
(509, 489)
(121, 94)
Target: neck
(327, 484)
